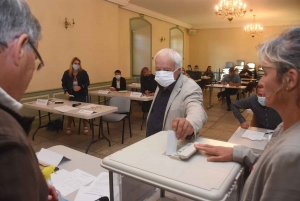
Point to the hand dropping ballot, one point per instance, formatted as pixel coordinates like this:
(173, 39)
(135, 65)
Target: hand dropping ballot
(183, 153)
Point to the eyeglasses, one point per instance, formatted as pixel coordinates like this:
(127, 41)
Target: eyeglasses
(38, 55)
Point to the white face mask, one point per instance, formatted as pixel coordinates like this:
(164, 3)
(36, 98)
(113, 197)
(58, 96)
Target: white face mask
(261, 100)
(118, 76)
(164, 78)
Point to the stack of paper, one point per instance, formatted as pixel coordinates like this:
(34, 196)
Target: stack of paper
(99, 188)
(254, 135)
(67, 182)
(65, 108)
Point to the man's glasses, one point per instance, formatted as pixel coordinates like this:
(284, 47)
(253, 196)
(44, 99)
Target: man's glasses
(38, 55)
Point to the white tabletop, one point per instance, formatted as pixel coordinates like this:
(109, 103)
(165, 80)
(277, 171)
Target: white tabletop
(134, 85)
(122, 94)
(257, 146)
(224, 86)
(99, 111)
(85, 162)
(194, 178)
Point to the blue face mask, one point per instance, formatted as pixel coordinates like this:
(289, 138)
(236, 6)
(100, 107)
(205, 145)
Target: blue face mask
(261, 100)
(75, 66)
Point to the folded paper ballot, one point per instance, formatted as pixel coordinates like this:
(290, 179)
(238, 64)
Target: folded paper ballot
(254, 135)
(48, 157)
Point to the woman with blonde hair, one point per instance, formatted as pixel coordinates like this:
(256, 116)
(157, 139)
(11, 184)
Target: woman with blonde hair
(75, 82)
(275, 173)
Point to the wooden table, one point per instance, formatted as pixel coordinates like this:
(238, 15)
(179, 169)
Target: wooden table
(98, 112)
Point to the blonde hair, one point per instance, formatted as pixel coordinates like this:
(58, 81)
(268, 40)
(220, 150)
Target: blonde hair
(71, 70)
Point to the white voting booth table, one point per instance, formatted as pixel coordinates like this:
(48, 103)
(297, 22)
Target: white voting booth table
(194, 178)
(78, 111)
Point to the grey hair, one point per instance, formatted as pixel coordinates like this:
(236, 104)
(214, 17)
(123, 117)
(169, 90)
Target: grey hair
(172, 54)
(283, 52)
(16, 19)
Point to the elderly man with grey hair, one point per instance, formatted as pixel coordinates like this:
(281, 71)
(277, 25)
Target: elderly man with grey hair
(178, 102)
(21, 177)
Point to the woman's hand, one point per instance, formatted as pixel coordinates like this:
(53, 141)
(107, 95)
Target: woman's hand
(220, 154)
(77, 88)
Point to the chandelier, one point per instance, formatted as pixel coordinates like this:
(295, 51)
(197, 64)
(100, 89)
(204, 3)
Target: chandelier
(230, 9)
(253, 29)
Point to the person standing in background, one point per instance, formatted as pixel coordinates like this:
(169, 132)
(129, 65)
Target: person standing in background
(148, 87)
(118, 83)
(75, 82)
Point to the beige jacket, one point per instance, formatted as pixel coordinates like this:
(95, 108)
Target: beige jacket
(185, 102)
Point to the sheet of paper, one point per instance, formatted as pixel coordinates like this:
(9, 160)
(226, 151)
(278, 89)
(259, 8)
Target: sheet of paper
(68, 183)
(254, 135)
(270, 134)
(49, 157)
(42, 102)
(218, 85)
(65, 108)
(136, 94)
(85, 112)
(171, 143)
(90, 106)
(82, 196)
(100, 186)
(103, 92)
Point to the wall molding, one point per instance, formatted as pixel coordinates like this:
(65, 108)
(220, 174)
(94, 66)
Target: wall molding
(119, 2)
(155, 15)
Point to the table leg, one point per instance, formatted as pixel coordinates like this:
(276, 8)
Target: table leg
(93, 140)
(93, 135)
(40, 123)
(162, 193)
(210, 96)
(111, 186)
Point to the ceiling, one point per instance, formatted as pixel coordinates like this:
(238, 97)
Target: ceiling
(200, 14)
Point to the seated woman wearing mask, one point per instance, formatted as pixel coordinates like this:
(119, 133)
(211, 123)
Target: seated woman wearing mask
(75, 82)
(209, 73)
(118, 83)
(275, 173)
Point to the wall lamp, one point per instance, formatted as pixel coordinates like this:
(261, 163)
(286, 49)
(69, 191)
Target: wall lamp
(162, 39)
(68, 24)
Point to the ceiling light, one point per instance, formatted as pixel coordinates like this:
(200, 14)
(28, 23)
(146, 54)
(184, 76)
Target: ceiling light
(253, 29)
(230, 9)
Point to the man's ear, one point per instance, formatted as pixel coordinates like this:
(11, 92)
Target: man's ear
(20, 45)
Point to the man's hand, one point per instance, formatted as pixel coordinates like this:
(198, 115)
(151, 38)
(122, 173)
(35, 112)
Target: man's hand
(112, 88)
(220, 154)
(77, 88)
(147, 93)
(245, 125)
(67, 95)
(182, 128)
(52, 196)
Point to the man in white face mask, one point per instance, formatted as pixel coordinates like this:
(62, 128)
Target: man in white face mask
(265, 117)
(178, 103)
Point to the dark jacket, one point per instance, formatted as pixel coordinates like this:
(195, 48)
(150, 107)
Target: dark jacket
(21, 177)
(266, 117)
(122, 84)
(210, 74)
(82, 79)
(148, 83)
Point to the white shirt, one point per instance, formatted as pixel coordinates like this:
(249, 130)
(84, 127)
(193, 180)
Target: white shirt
(118, 84)
(8, 101)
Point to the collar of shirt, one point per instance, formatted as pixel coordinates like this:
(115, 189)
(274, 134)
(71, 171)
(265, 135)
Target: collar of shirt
(9, 101)
(170, 87)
